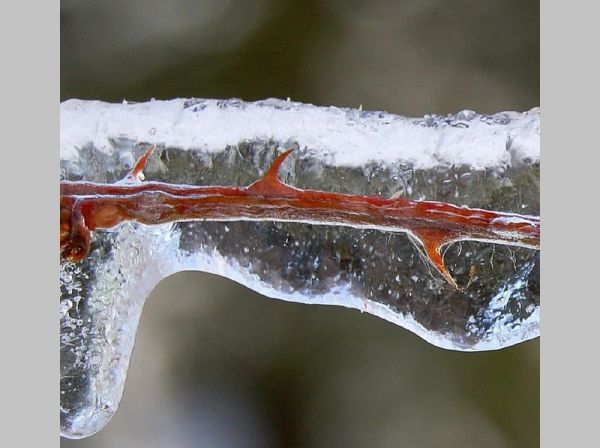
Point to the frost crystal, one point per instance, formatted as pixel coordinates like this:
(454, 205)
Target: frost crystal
(480, 161)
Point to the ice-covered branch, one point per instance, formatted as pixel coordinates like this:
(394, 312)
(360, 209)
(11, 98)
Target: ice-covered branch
(483, 162)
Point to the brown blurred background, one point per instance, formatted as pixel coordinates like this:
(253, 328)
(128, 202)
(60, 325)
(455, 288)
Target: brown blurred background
(216, 365)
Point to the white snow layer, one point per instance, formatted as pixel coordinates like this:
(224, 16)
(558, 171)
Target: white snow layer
(344, 137)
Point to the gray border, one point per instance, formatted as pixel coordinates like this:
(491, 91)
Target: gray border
(30, 361)
(569, 327)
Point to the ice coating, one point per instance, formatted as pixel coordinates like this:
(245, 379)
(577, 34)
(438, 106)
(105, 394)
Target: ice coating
(345, 137)
(489, 162)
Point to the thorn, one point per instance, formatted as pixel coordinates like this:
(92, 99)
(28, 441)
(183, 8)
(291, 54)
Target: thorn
(432, 243)
(273, 171)
(136, 174)
(270, 184)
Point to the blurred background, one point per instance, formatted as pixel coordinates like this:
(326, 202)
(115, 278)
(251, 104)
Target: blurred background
(217, 365)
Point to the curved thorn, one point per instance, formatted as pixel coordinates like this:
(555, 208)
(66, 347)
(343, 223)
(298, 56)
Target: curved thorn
(273, 171)
(435, 257)
(432, 243)
(270, 184)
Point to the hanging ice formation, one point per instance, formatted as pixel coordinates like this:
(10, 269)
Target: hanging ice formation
(430, 223)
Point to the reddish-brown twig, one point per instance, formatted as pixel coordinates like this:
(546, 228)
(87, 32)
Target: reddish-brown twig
(87, 206)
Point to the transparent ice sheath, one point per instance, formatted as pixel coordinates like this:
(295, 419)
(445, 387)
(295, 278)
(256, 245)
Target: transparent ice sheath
(482, 161)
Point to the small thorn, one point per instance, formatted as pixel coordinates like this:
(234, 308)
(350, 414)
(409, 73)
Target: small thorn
(270, 184)
(136, 174)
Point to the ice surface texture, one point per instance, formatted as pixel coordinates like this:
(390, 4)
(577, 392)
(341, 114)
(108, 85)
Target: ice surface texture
(489, 162)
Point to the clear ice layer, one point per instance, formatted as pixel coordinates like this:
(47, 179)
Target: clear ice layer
(481, 161)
